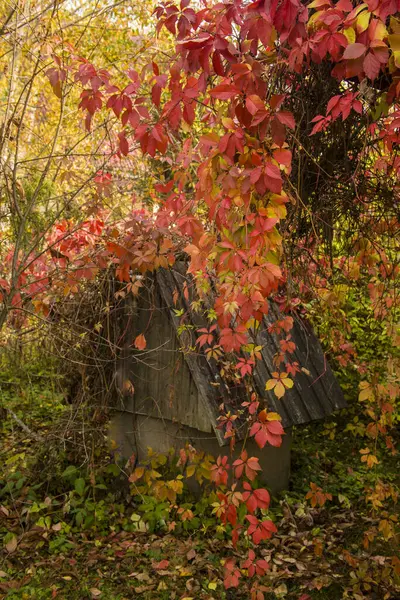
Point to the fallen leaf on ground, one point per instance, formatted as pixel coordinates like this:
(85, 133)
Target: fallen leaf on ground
(11, 545)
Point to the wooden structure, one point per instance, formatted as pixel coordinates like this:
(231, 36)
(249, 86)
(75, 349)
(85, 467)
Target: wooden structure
(177, 391)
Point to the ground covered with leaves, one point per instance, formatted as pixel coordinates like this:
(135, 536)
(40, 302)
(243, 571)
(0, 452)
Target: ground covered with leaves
(75, 528)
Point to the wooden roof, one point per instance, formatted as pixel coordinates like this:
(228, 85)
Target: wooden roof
(314, 396)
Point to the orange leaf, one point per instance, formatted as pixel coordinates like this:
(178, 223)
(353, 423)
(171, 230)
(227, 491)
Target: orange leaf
(163, 564)
(140, 342)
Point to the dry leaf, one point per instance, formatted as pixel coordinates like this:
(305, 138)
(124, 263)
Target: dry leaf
(163, 564)
(281, 590)
(162, 586)
(11, 546)
(143, 588)
(95, 592)
(191, 554)
(140, 576)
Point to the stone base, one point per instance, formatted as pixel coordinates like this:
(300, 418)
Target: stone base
(134, 434)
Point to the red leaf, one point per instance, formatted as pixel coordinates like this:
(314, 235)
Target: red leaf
(224, 91)
(354, 51)
(332, 103)
(275, 427)
(163, 564)
(372, 66)
(254, 104)
(283, 157)
(255, 175)
(286, 118)
(218, 64)
(273, 179)
(321, 125)
(272, 171)
(263, 498)
(123, 143)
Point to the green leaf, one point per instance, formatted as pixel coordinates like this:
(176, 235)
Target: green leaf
(80, 486)
(69, 471)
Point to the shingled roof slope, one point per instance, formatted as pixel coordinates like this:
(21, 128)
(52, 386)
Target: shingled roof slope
(314, 396)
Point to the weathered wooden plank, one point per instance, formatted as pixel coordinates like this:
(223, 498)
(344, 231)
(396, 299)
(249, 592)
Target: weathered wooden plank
(198, 366)
(162, 379)
(232, 395)
(313, 396)
(290, 406)
(322, 382)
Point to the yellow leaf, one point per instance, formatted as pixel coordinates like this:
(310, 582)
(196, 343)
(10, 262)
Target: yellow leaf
(350, 34)
(380, 31)
(273, 416)
(279, 390)
(137, 474)
(271, 383)
(366, 391)
(281, 590)
(154, 474)
(316, 4)
(212, 585)
(396, 57)
(394, 41)
(162, 586)
(372, 460)
(362, 21)
(288, 383)
(177, 486)
(135, 517)
(184, 572)
(228, 123)
(386, 528)
(190, 470)
(394, 24)
(312, 21)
